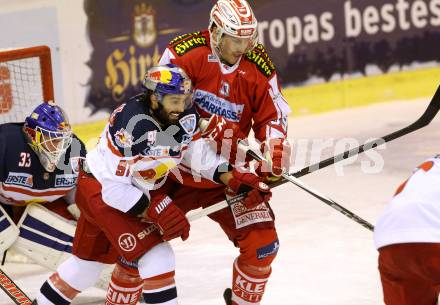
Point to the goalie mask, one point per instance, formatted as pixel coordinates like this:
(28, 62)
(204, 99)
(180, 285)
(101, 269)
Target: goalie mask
(49, 134)
(234, 18)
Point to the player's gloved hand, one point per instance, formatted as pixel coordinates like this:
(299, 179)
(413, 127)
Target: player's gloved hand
(225, 133)
(257, 191)
(170, 219)
(277, 153)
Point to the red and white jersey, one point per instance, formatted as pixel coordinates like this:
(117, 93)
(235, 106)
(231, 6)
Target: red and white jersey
(247, 93)
(134, 153)
(414, 213)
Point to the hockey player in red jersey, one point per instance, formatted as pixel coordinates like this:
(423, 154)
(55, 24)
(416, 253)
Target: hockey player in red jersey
(236, 89)
(125, 213)
(407, 238)
(35, 162)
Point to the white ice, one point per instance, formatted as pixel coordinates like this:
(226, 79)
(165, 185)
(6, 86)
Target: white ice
(325, 258)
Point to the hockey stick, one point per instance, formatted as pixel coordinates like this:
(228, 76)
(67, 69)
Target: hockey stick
(426, 118)
(12, 290)
(321, 197)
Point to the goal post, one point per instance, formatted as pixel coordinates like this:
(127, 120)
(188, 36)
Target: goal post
(25, 81)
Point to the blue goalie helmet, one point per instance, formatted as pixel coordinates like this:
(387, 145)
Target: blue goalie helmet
(168, 79)
(49, 134)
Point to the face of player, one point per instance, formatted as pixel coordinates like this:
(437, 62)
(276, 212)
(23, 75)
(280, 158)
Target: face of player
(173, 105)
(232, 48)
(52, 145)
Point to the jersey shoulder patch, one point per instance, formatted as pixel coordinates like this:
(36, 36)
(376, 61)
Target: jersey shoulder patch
(261, 59)
(184, 43)
(131, 127)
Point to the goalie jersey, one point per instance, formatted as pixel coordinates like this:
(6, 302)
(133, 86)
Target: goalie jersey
(135, 154)
(23, 179)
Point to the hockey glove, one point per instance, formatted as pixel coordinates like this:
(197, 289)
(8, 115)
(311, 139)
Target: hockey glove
(257, 191)
(277, 153)
(168, 217)
(226, 135)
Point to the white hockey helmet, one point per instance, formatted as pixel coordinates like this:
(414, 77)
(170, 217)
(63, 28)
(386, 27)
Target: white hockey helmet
(234, 18)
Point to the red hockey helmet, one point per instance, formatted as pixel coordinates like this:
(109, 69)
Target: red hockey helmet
(234, 18)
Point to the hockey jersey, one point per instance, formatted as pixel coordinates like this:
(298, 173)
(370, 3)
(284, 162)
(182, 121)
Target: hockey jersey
(413, 215)
(246, 93)
(134, 153)
(23, 179)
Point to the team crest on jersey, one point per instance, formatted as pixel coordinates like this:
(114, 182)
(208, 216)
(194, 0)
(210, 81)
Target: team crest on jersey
(123, 138)
(65, 180)
(245, 217)
(261, 59)
(21, 179)
(224, 89)
(188, 123)
(216, 105)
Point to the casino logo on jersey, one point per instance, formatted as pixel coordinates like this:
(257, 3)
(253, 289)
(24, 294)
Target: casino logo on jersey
(21, 179)
(216, 105)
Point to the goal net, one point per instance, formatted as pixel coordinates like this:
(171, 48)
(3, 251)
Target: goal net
(25, 81)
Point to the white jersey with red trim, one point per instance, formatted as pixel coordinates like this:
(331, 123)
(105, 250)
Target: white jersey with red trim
(24, 180)
(134, 153)
(413, 215)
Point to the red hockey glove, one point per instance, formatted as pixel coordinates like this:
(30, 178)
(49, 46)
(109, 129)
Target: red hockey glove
(257, 191)
(170, 219)
(226, 134)
(277, 153)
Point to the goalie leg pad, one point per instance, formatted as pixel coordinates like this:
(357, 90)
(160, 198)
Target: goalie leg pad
(8, 230)
(45, 237)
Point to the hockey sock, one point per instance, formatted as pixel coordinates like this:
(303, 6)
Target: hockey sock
(248, 283)
(160, 290)
(55, 291)
(124, 288)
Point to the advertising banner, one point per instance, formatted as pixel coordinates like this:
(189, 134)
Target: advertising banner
(312, 41)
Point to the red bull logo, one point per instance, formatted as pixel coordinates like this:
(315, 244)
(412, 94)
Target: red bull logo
(163, 76)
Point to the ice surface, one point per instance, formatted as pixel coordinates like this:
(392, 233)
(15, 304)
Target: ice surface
(325, 258)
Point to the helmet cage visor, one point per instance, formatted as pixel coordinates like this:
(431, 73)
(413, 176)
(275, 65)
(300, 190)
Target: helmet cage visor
(52, 144)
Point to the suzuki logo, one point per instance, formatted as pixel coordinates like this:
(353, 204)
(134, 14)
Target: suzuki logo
(127, 242)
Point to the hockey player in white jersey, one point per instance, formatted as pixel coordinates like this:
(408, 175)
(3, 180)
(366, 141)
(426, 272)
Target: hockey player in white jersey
(125, 216)
(35, 167)
(407, 236)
